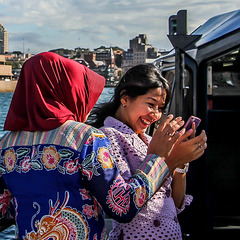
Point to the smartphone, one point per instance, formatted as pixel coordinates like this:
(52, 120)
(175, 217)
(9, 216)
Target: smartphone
(190, 121)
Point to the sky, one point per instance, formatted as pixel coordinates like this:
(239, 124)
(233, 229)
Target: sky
(42, 25)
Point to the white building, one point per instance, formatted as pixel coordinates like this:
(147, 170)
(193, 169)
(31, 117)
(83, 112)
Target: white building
(5, 70)
(138, 53)
(3, 39)
(139, 57)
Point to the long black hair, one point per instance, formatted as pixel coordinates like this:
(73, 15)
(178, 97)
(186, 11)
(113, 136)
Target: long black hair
(135, 82)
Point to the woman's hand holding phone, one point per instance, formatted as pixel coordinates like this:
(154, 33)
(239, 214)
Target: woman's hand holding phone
(166, 136)
(178, 146)
(192, 123)
(189, 147)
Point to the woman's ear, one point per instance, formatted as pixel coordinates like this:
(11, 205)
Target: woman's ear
(124, 100)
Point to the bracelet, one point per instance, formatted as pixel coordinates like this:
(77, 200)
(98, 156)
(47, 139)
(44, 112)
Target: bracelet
(183, 170)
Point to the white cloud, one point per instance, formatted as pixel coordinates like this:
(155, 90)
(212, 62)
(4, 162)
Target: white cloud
(72, 23)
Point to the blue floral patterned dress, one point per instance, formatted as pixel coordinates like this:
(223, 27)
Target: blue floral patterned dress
(60, 181)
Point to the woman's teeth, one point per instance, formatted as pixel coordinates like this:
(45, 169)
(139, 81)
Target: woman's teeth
(145, 121)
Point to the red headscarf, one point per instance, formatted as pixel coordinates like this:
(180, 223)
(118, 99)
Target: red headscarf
(51, 90)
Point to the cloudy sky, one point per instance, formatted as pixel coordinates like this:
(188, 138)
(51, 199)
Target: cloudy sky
(41, 25)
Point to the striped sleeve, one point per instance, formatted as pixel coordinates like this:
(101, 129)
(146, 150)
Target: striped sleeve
(154, 170)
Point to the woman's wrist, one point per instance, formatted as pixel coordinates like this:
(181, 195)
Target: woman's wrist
(182, 169)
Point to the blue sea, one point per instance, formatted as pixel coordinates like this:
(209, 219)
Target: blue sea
(5, 100)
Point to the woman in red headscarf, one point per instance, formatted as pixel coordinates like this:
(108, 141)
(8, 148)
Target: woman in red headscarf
(50, 91)
(59, 171)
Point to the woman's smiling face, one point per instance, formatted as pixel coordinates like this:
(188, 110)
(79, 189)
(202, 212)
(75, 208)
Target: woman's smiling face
(140, 112)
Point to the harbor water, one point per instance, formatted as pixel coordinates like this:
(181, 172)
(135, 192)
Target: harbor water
(5, 100)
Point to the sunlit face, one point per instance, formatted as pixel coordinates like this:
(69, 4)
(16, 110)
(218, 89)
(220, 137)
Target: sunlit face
(139, 113)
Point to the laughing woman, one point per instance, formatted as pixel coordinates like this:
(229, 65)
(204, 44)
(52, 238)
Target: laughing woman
(139, 100)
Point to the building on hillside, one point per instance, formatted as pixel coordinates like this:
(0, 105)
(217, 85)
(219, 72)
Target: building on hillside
(3, 39)
(82, 61)
(102, 61)
(5, 70)
(90, 56)
(102, 54)
(139, 43)
(95, 64)
(139, 52)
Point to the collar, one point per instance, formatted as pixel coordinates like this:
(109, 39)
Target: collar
(122, 127)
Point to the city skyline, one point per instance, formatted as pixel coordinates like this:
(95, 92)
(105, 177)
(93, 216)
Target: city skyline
(52, 24)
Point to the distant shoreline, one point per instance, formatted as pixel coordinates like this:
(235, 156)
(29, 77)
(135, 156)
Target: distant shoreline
(110, 85)
(7, 86)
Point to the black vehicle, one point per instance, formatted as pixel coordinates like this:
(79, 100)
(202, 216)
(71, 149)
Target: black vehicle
(204, 68)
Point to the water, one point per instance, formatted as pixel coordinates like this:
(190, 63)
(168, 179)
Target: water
(106, 95)
(5, 100)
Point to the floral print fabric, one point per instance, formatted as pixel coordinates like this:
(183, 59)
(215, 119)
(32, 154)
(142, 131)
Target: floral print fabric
(60, 181)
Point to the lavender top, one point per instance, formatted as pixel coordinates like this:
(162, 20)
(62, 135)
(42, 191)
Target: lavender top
(158, 219)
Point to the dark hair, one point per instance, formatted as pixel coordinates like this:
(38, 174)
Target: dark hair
(135, 82)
